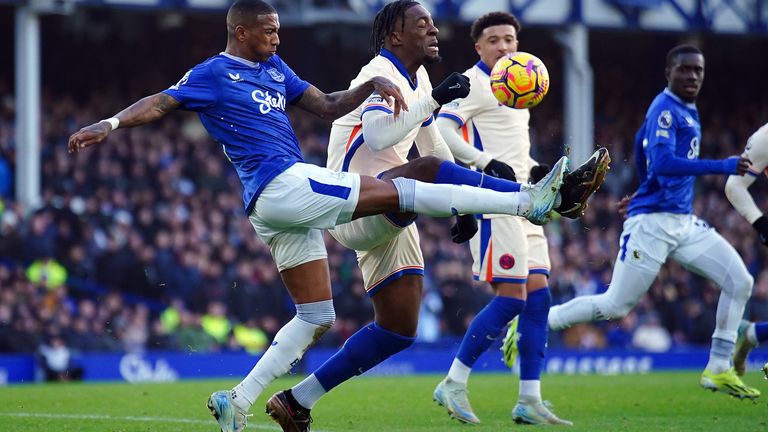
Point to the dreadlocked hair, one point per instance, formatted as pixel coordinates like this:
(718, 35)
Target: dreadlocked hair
(385, 20)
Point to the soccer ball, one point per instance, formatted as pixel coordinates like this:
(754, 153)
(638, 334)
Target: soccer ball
(519, 80)
(765, 370)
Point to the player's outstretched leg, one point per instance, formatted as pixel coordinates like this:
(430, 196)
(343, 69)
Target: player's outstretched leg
(749, 336)
(229, 416)
(534, 202)
(582, 182)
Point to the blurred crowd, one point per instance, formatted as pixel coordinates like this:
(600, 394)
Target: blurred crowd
(142, 243)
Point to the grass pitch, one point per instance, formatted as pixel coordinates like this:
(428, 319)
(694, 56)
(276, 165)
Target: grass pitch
(655, 402)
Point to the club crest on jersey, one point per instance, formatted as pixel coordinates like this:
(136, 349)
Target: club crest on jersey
(276, 74)
(182, 81)
(665, 119)
(267, 102)
(507, 261)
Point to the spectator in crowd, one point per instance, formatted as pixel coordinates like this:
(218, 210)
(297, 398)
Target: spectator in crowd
(56, 361)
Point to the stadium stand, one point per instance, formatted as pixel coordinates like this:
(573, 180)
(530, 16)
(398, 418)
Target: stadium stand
(148, 250)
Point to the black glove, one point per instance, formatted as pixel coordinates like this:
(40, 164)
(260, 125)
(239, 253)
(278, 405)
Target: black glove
(456, 86)
(500, 170)
(761, 226)
(464, 229)
(538, 172)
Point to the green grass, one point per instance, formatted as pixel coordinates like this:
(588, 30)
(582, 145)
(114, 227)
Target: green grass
(656, 402)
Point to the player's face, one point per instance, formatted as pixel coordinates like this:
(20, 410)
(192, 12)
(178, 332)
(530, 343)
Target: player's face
(261, 38)
(419, 35)
(495, 42)
(685, 76)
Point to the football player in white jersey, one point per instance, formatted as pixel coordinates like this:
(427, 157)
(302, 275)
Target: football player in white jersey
(750, 334)
(373, 140)
(508, 252)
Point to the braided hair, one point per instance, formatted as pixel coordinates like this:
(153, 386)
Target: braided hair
(385, 20)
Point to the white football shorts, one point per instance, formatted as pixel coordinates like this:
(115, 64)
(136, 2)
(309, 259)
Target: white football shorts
(387, 248)
(297, 205)
(508, 249)
(649, 239)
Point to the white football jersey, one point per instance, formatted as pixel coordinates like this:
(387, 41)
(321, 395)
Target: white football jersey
(346, 148)
(491, 127)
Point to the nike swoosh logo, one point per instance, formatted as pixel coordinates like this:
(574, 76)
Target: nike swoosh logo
(455, 86)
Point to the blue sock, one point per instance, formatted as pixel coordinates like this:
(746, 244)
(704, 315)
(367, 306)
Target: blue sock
(486, 327)
(533, 334)
(363, 350)
(451, 173)
(761, 331)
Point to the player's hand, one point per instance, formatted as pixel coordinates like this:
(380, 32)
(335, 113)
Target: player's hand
(88, 136)
(743, 166)
(538, 172)
(761, 226)
(390, 92)
(623, 205)
(464, 229)
(456, 86)
(500, 170)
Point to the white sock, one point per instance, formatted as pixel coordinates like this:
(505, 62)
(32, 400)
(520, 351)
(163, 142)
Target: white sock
(286, 350)
(627, 287)
(751, 335)
(308, 392)
(459, 372)
(720, 355)
(530, 390)
(578, 310)
(443, 200)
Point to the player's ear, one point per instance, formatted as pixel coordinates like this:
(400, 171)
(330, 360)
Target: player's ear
(240, 33)
(396, 38)
(477, 48)
(667, 73)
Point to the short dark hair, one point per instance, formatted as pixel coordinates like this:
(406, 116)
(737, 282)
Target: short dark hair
(681, 49)
(243, 11)
(493, 19)
(385, 20)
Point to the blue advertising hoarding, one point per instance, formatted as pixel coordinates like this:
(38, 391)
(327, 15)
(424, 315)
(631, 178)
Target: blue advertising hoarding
(174, 366)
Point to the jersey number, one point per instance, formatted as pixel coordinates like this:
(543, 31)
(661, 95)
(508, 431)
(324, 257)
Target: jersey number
(693, 152)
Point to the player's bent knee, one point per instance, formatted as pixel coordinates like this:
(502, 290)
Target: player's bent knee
(320, 313)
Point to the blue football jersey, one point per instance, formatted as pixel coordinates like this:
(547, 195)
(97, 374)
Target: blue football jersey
(242, 106)
(672, 124)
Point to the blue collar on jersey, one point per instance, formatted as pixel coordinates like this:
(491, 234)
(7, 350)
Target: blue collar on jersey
(669, 93)
(400, 66)
(483, 67)
(240, 60)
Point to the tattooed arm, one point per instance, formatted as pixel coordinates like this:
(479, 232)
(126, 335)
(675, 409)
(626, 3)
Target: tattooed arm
(141, 112)
(334, 105)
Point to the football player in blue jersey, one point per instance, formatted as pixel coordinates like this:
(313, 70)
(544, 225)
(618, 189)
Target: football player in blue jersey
(660, 224)
(241, 95)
